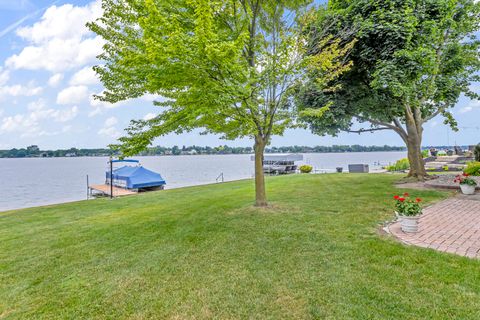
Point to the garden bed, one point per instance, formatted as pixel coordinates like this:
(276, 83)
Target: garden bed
(446, 181)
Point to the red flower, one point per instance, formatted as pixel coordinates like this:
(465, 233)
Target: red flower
(396, 197)
(406, 194)
(401, 199)
(418, 200)
(465, 174)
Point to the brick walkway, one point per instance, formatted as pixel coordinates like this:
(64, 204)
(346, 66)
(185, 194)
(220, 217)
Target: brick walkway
(450, 226)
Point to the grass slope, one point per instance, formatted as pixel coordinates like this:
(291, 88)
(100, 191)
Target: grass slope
(205, 252)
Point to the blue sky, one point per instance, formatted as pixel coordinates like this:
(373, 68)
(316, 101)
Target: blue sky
(46, 87)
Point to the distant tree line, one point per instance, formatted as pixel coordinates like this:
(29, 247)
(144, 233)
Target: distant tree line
(34, 151)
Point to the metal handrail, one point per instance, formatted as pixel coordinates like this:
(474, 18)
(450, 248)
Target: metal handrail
(220, 176)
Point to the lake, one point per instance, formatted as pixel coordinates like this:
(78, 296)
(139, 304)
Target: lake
(30, 182)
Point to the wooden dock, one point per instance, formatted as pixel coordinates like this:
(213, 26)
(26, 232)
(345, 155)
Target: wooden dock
(104, 189)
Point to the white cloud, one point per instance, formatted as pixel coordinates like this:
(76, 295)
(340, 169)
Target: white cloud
(109, 129)
(149, 116)
(153, 97)
(65, 115)
(110, 122)
(85, 76)
(95, 112)
(4, 76)
(475, 104)
(72, 95)
(103, 104)
(38, 111)
(62, 22)
(100, 106)
(57, 55)
(55, 80)
(466, 109)
(60, 40)
(20, 90)
(16, 122)
(29, 124)
(111, 132)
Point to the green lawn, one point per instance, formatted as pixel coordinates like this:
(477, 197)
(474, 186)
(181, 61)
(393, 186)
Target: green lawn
(205, 252)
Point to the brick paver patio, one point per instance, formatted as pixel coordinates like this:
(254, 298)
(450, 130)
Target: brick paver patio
(450, 226)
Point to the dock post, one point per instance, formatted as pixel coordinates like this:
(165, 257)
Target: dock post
(111, 177)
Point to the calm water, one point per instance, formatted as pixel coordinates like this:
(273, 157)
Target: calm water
(39, 181)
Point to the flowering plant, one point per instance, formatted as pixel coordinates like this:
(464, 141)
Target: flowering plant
(465, 179)
(407, 206)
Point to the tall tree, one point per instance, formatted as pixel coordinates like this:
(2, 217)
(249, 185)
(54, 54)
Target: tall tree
(227, 67)
(412, 60)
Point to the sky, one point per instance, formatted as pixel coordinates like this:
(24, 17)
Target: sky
(47, 87)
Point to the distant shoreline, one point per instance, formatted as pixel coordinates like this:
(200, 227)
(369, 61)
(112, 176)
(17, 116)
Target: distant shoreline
(200, 154)
(34, 151)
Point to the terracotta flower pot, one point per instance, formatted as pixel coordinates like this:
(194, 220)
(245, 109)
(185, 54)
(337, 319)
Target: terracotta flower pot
(467, 189)
(409, 224)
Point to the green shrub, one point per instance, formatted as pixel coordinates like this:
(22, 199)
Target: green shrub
(306, 168)
(445, 168)
(425, 154)
(476, 151)
(473, 168)
(400, 165)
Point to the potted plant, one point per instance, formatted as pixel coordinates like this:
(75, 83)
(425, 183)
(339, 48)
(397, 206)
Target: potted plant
(408, 210)
(467, 184)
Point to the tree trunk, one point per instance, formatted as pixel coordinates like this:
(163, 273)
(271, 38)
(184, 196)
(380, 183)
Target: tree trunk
(414, 147)
(260, 194)
(417, 165)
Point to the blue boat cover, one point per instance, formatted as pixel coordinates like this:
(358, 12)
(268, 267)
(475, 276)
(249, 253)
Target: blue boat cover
(126, 160)
(135, 177)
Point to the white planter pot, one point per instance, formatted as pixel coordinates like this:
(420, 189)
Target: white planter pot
(409, 224)
(466, 189)
(398, 216)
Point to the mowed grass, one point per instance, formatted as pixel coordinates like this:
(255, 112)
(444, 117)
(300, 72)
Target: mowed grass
(207, 253)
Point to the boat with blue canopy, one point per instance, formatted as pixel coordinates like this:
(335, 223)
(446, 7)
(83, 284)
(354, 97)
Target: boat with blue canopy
(133, 176)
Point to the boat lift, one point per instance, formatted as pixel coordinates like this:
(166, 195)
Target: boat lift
(126, 180)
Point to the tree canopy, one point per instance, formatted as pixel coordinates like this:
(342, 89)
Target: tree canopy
(412, 61)
(228, 67)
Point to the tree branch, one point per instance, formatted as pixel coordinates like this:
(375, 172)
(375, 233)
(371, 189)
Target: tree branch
(368, 130)
(377, 122)
(433, 115)
(397, 126)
